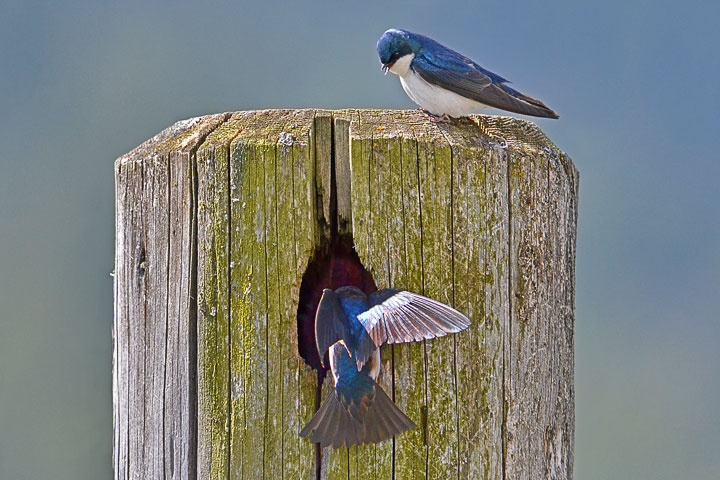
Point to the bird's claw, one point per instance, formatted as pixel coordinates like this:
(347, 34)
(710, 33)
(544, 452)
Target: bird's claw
(437, 118)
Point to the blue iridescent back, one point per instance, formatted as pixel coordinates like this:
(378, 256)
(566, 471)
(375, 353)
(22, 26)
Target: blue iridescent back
(354, 307)
(351, 384)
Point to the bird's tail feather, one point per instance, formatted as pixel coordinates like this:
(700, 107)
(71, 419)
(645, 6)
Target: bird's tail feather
(384, 419)
(333, 425)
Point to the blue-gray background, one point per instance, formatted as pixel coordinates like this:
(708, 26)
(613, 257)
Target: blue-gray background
(635, 83)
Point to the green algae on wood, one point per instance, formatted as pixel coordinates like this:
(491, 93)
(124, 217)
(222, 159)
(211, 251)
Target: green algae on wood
(409, 359)
(479, 204)
(213, 307)
(438, 282)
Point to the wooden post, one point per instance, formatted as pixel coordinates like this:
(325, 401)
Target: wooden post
(217, 221)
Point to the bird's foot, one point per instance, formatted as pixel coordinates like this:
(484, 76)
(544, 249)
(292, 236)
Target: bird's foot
(437, 118)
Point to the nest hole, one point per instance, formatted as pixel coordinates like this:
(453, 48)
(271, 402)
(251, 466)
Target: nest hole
(334, 265)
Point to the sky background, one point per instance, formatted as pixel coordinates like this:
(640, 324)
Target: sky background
(635, 84)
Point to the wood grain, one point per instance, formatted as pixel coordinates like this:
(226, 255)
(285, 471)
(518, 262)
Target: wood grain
(154, 354)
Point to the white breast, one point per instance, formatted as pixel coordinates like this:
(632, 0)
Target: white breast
(374, 362)
(337, 348)
(435, 100)
(402, 65)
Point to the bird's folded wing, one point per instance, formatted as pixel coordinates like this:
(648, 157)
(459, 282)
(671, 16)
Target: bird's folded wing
(331, 323)
(457, 74)
(468, 79)
(398, 316)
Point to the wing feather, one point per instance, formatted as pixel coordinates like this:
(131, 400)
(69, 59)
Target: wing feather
(331, 323)
(398, 316)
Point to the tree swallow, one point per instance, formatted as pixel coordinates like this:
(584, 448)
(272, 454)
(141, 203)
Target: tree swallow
(353, 327)
(445, 83)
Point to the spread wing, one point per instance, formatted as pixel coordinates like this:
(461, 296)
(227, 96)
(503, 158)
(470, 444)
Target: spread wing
(331, 323)
(459, 74)
(398, 316)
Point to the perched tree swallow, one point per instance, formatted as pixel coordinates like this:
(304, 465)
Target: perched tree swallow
(353, 327)
(445, 83)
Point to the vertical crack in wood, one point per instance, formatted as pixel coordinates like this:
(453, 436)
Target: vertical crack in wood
(487, 256)
(192, 323)
(404, 246)
(141, 288)
(251, 166)
(452, 268)
(230, 417)
(507, 335)
(371, 159)
(347, 458)
(448, 139)
(292, 153)
(386, 180)
(371, 209)
(320, 372)
(229, 202)
(281, 316)
(167, 310)
(333, 185)
(392, 370)
(424, 410)
(127, 353)
(267, 329)
(192, 352)
(332, 208)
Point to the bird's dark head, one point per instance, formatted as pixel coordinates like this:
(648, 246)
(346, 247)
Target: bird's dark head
(395, 44)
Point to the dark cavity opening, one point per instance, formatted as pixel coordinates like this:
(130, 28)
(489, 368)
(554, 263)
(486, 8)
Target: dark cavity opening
(333, 266)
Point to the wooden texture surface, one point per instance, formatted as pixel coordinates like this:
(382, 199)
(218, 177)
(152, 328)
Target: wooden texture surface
(216, 221)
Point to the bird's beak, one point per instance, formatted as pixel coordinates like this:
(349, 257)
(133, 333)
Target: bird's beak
(386, 68)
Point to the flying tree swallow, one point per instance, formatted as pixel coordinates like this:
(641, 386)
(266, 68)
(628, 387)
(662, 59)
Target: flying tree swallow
(446, 83)
(353, 327)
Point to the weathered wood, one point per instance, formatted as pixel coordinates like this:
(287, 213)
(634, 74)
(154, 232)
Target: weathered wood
(217, 219)
(154, 386)
(480, 224)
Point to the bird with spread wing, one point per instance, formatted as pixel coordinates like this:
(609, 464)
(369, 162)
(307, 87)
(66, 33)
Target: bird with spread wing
(352, 327)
